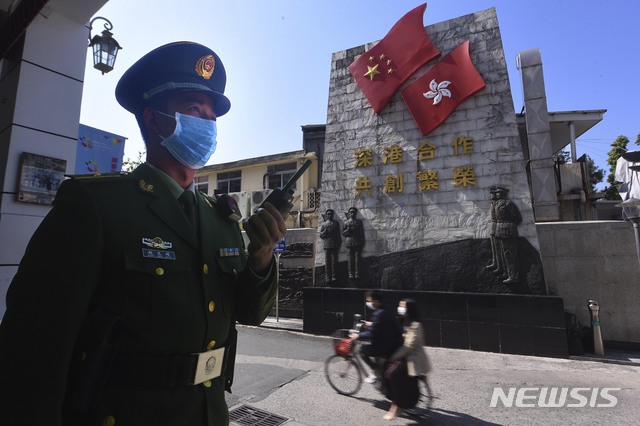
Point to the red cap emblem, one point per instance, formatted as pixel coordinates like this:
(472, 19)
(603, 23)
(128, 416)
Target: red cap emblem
(205, 66)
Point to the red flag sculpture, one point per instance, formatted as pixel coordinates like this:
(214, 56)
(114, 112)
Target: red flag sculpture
(381, 70)
(433, 97)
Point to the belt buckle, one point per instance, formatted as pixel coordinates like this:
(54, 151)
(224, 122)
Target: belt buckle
(209, 365)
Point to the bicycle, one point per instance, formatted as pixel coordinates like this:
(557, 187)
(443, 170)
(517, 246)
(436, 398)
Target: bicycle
(344, 369)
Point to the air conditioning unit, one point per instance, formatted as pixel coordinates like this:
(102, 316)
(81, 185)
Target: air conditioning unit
(244, 202)
(257, 197)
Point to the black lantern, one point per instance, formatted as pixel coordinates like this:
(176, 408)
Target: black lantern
(105, 47)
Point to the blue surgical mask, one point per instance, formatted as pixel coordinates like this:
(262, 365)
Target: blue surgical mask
(193, 141)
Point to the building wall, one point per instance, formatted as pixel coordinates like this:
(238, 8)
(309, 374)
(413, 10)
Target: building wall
(41, 92)
(303, 213)
(595, 260)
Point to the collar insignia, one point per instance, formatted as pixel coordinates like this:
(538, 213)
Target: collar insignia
(156, 243)
(205, 66)
(144, 186)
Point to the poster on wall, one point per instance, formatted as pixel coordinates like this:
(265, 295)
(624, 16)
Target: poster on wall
(98, 151)
(40, 178)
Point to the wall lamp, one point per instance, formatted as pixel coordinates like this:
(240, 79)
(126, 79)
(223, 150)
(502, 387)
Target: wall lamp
(105, 47)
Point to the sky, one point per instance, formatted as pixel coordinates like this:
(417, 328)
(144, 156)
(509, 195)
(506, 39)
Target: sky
(277, 55)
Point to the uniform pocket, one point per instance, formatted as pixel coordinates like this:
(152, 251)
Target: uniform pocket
(157, 293)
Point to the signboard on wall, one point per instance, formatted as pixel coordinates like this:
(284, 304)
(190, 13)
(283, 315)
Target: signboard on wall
(98, 151)
(40, 178)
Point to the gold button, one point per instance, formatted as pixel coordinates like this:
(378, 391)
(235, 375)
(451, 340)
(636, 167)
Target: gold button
(212, 306)
(108, 421)
(211, 345)
(205, 269)
(159, 272)
(207, 384)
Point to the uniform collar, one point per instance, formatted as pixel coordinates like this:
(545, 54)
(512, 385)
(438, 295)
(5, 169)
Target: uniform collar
(175, 189)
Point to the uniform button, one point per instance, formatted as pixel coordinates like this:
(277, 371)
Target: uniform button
(207, 384)
(108, 421)
(235, 272)
(211, 345)
(159, 272)
(205, 269)
(82, 356)
(212, 306)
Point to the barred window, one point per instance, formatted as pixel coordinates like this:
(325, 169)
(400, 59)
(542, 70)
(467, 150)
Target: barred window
(202, 183)
(279, 174)
(229, 181)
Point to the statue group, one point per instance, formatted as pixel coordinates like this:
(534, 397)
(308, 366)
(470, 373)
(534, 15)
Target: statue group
(331, 236)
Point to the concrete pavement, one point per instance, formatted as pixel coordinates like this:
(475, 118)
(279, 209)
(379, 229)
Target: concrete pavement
(464, 383)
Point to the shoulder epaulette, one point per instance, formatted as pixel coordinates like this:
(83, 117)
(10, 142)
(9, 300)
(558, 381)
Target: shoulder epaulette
(98, 175)
(211, 199)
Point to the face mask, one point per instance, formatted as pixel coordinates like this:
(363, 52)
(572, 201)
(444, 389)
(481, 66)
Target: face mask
(193, 141)
(402, 311)
(370, 306)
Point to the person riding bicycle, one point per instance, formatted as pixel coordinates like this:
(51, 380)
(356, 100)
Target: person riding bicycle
(383, 332)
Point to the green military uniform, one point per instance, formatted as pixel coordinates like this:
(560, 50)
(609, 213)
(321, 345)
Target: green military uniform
(123, 245)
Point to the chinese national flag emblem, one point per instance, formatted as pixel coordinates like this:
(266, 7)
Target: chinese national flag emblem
(381, 70)
(434, 96)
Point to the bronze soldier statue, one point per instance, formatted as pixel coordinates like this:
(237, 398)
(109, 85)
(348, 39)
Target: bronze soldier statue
(330, 234)
(494, 264)
(353, 231)
(507, 220)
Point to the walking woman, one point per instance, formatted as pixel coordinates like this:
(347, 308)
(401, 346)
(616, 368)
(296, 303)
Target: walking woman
(412, 350)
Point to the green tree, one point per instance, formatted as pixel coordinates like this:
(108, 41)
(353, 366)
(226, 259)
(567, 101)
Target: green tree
(595, 173)
(128, 164)
(618, 147)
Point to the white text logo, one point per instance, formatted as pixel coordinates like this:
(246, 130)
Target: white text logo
(551, 397)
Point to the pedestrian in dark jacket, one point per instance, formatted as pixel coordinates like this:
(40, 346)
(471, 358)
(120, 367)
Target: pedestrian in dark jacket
(383, 333)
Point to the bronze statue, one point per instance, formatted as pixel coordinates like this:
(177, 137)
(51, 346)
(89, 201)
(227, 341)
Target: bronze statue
(495, 249)
(353, 231)
(330, 234)
(507, 220)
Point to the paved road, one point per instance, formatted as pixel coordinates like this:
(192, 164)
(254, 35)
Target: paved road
(281, 372)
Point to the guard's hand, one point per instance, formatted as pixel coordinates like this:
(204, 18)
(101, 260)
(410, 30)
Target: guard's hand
(264, 228)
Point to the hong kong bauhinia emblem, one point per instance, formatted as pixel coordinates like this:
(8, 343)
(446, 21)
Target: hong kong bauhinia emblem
(438, 91)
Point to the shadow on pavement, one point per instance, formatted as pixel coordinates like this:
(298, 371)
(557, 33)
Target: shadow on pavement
(424, 416)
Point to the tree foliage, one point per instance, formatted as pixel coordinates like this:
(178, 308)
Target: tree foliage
(129, 164)
(595, 173)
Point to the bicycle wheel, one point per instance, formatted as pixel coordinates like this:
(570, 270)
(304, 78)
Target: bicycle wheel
(343, 374)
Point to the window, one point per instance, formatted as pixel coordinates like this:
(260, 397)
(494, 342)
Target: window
(202, 184)
(229, 181)
(279, 174)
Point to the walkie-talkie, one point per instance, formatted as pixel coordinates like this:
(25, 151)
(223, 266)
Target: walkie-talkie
(281, 198)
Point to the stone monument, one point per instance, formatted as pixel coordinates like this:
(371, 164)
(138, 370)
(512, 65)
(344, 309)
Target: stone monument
(421, 179)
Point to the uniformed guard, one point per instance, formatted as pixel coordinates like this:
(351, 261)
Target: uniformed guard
(123, 308)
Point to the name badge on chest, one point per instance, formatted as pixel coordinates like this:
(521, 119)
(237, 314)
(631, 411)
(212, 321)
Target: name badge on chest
(158, 254)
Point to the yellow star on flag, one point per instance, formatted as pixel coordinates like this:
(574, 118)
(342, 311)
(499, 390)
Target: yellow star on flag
(372, 71)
